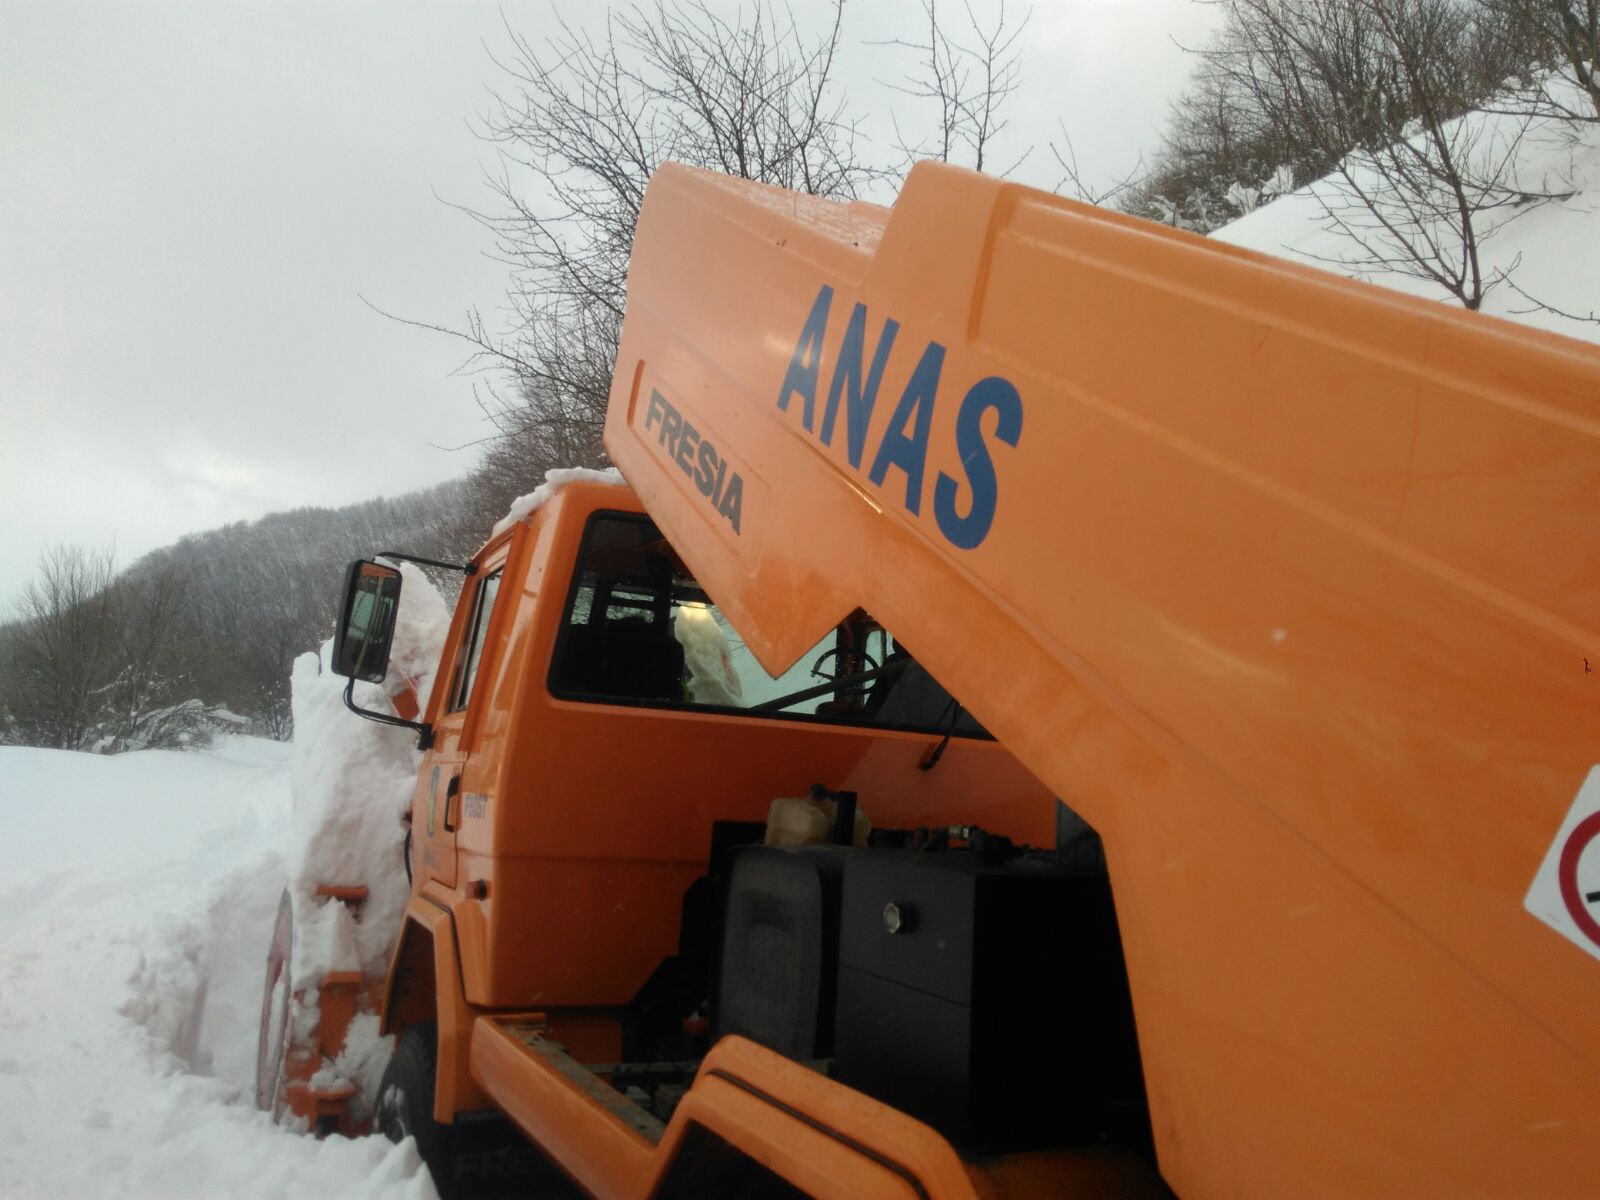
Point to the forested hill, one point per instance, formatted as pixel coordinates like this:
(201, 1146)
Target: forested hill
(265, 591)
(148, 656)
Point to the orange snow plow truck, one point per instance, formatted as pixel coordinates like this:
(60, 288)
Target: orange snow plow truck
(1058, 707)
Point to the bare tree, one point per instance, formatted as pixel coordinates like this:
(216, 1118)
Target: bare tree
(57, 650)
(93, 662)
(583, 120)
(141, 704)
(966, 82)
(1385, 89)
(1223, 150)
(583, 123)
(1563, 38)
(1074, 183)
(1535, 304)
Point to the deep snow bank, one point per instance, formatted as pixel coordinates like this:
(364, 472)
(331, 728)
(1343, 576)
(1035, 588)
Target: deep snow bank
(140, 892)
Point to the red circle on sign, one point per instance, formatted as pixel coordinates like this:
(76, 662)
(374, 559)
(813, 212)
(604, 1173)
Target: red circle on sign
(1567, 876)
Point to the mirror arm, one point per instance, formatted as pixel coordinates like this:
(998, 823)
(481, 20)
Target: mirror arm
(464, 568)
(423, 729)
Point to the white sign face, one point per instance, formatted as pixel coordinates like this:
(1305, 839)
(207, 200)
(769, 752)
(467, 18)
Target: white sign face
(1566, 892)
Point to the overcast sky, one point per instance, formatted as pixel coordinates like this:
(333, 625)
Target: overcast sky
(194, 197)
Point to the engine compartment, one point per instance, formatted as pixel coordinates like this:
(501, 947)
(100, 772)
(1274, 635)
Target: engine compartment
(973, 984)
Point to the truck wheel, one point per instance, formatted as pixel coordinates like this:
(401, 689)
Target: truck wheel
(405, 1105)
(487, 1158)
(272, 1040)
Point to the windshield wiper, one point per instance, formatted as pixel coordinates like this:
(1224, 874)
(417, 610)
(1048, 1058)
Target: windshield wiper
(832, 685)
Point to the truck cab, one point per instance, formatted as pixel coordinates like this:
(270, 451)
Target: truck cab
(605, 762)
(595, 716)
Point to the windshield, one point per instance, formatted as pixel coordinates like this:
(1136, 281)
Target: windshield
(639, 629)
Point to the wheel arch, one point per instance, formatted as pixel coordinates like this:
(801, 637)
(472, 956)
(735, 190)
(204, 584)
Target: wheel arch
(410, 995)
(425, 984)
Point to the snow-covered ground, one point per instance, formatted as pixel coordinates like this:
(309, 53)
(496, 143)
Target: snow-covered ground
(138, 896)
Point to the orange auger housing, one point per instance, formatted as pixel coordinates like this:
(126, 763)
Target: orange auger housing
(304, 1027)
(1284, 585)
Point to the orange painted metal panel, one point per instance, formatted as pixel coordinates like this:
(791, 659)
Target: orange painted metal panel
(1285, 582)
(801, 1124)
(591, 1145)
(457, 1090)
(824, 1138)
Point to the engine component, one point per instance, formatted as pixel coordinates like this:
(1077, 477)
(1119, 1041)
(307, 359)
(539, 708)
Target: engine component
(987, 999)
(780, 948)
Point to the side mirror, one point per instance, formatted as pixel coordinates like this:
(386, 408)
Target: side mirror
(366, 621)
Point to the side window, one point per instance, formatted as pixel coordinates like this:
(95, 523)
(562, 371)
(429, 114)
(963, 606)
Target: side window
(617, 640)
(472, 652)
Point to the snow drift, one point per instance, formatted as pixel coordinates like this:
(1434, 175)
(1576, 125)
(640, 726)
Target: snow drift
(141, 892)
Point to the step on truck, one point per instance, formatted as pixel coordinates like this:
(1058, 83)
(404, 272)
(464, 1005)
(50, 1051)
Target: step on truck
(1058, 707)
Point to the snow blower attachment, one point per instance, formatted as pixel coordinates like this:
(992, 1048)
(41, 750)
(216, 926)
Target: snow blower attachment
(320, 1052)
(1262, 600)
(304, 1025)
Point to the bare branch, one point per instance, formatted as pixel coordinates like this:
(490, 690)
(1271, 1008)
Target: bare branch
(1538, 305)
(966, 83)
(1376, 99)
(1072, 181)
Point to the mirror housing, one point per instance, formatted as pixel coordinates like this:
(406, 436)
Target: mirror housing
(366, 621)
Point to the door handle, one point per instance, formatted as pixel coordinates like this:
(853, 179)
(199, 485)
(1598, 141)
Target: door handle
(450, 792)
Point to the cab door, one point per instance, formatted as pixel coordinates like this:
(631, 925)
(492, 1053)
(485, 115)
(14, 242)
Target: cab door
(436, 811)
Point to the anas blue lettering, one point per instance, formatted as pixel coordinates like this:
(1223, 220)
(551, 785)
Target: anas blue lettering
(999, 395)
(965, 500)
(801, 377)
(909, 451)
(860, 398)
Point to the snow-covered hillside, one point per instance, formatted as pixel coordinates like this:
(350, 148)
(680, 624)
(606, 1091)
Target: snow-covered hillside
(1548, 250)
(139, 894)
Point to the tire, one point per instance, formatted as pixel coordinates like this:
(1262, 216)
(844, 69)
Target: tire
(487, 1158)
(405, 1105)
(272, 1037)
